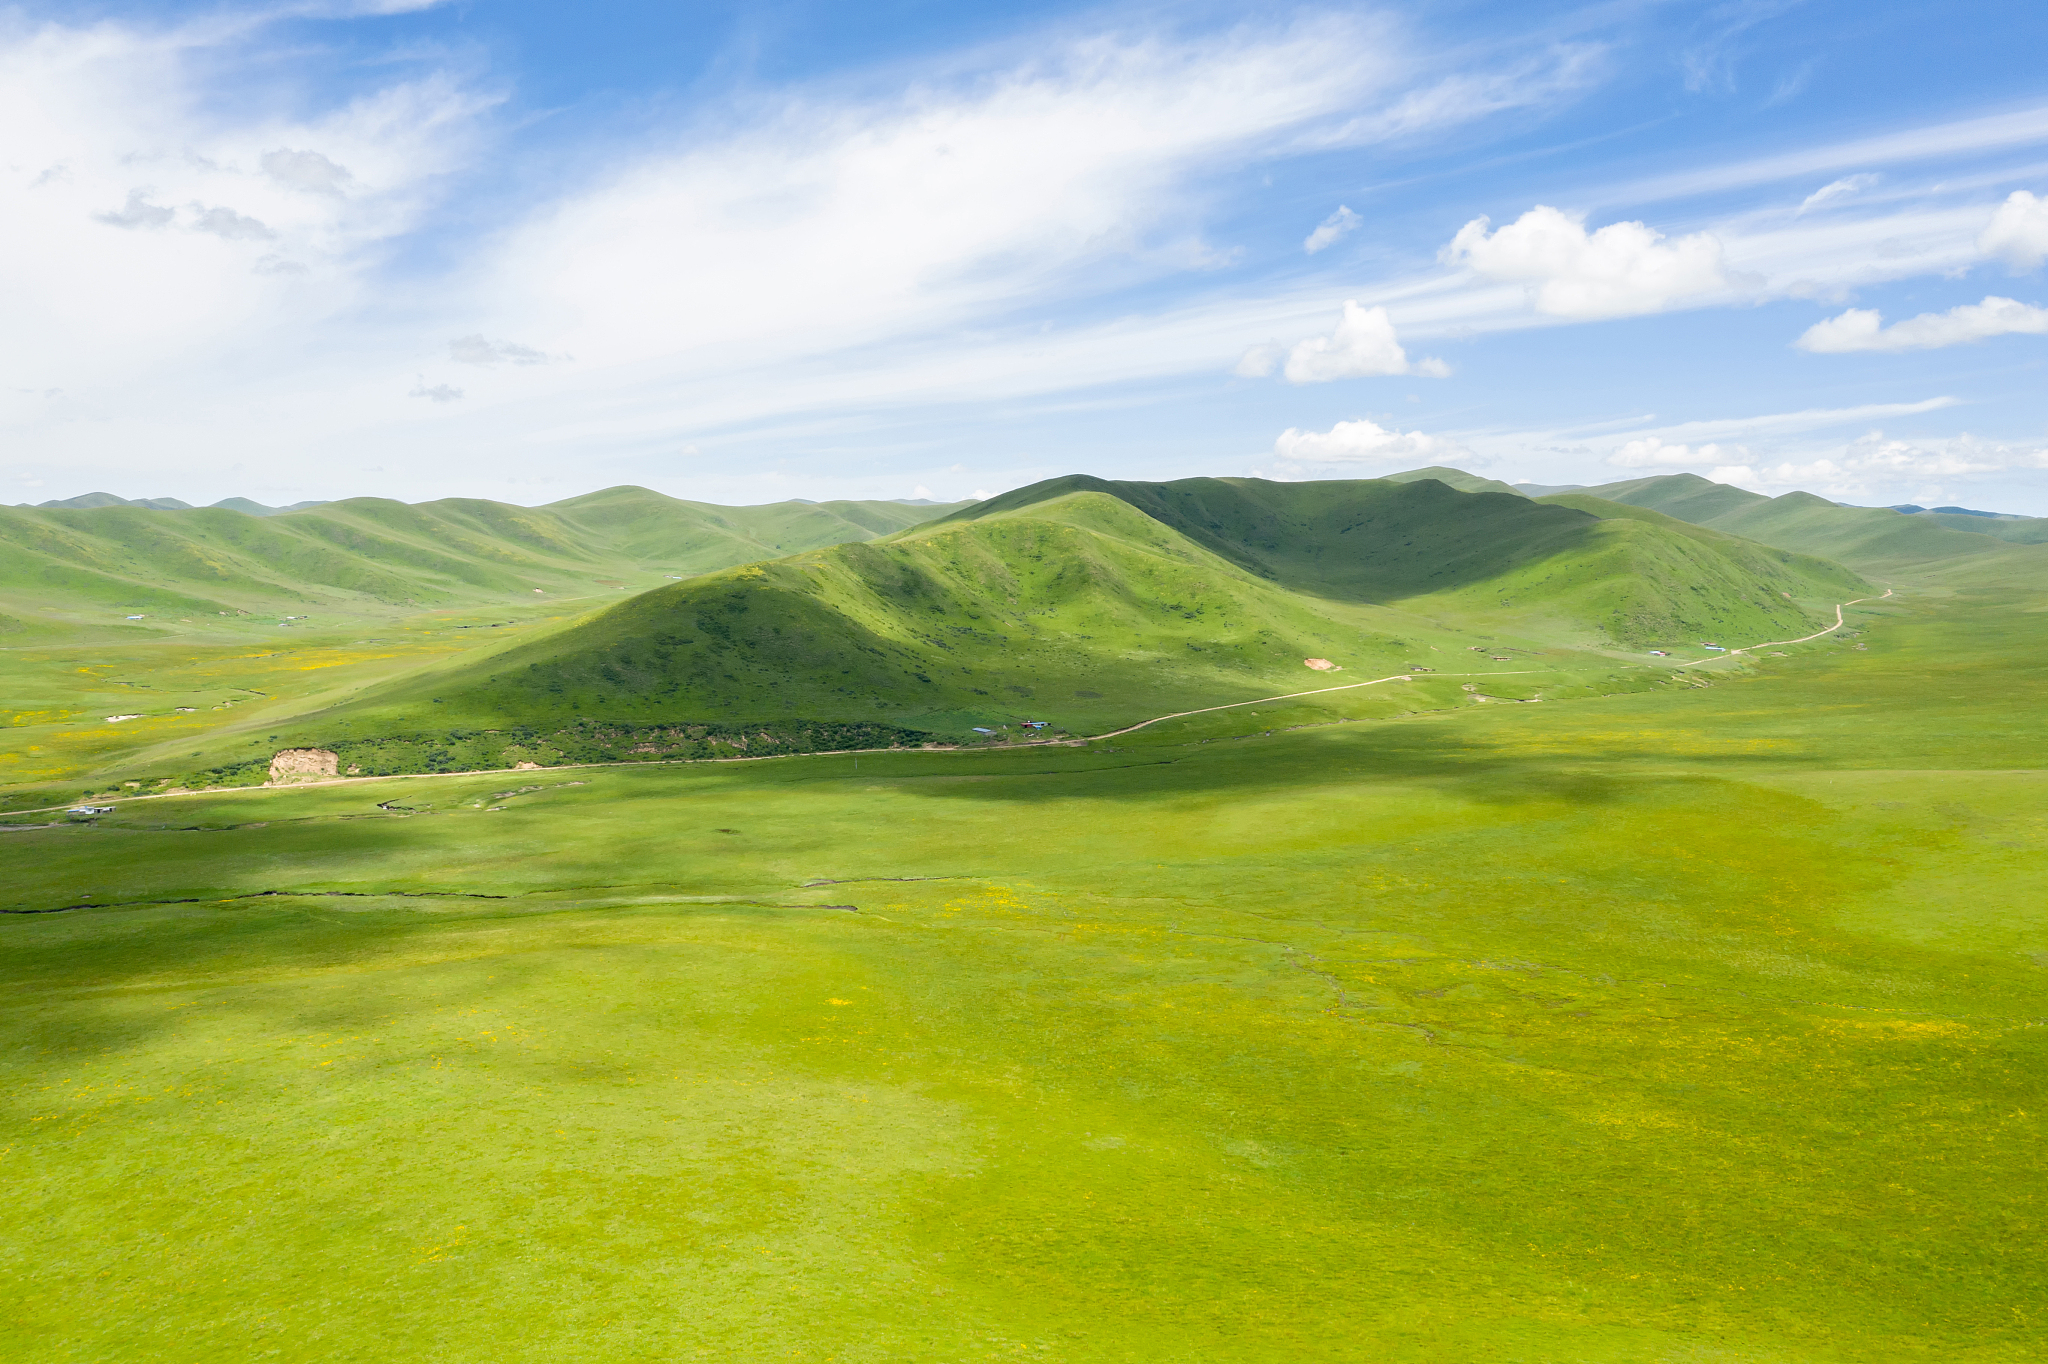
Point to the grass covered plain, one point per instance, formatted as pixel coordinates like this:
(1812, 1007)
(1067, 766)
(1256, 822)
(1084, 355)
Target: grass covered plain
(1696, 1025)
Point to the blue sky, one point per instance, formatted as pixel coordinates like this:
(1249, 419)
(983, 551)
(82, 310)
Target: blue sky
(740, 252)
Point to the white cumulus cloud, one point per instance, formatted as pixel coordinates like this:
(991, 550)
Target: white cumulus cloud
(1622, 269)
(1367, 442)
(1650, 452)
(1874, 464)
(1362, 346)
(1863, 328)
(1331, 228)
(2018, 234)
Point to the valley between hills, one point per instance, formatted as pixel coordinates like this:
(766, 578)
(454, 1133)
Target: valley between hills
(1402, 918)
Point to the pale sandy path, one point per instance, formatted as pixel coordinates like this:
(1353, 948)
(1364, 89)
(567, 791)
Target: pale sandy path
(1816, 634)
(1289, 696)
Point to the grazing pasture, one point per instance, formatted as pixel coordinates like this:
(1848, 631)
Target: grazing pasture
(1696, 1024)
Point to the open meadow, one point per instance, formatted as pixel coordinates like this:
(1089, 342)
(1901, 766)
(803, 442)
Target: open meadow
(1695, 1024)
(771, 682)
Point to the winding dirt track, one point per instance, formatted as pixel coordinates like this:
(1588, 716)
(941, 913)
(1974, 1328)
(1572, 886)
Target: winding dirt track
(1409, 677)
(1289, 696)
(1816, 634)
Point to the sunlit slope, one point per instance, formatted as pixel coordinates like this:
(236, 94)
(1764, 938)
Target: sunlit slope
(696, 537)
(1484, 555)
(1455, 478)
(1643, 578)
(2019, 530)
(1083, 603)
(1088, 604)
(99, 563)
(1869, 539)
(1366, 540)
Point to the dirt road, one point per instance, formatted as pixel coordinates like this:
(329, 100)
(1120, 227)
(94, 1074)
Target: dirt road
(1803, 638)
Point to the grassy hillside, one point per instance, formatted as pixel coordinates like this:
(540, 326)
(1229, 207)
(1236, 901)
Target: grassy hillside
(1687, 497)
(1361, 540)
(2020, 530)
(1869, 539)
(1083, 602)
(243, 622)
(1455, 478)
(1078, 603)
(1090, 603)
(1388, 541)
(65, 567)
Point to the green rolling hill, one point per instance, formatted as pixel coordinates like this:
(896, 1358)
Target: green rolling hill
(1869, 539)
(1457, 478)
(1091, 602)
(62, 567)
(1085, 602)
(2020, 530)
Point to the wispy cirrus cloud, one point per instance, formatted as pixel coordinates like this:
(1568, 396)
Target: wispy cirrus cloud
(1331, 230)
(1989, 133)
(955, 200)
(1070, 216)
(1768, 425)
(1835, 191)
(149, 226)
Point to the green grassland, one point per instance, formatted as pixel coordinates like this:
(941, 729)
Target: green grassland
(1550, 1003)
(1693, 1024)
(2023, 530)
(1084, 603)
(66, 569)
(1870, 539)
(245, 622)
(1094, 604)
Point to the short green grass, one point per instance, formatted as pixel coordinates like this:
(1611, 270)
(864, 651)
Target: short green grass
(1095, 606)
(1086, 604)
(1695, 1025)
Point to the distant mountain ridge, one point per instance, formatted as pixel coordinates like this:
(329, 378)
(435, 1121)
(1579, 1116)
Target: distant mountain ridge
(89, 501)
(102, 562)
(1686, 498)
(1909, 508)
(1865, 538)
